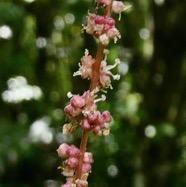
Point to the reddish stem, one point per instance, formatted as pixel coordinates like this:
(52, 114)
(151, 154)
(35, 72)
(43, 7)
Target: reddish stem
(82, 152)
(94, 83)
(96, 68)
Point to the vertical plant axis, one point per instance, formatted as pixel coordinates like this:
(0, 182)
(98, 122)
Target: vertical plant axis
(82, 109)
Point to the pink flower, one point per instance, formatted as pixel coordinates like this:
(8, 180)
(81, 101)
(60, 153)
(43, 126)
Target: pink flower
(62, 150)
(77, 101)
(106, 117)
(73, 151)
(118, 7)
(88, 158)
(85, 124)
(71, 162)
(67, 185)
(86, 168)
(105, 80)
(85, 67)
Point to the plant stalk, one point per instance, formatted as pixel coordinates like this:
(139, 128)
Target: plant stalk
(93, 84)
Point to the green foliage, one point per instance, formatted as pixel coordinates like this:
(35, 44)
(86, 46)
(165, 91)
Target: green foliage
(42, 43)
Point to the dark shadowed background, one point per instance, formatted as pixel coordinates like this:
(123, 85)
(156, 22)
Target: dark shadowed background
(41, 44)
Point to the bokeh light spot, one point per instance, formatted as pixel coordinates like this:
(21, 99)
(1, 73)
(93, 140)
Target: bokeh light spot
(112, 170)
(150, 131)
(40, 131)
(69, 18)
(19, 90)
(5, 32)
(144, 33)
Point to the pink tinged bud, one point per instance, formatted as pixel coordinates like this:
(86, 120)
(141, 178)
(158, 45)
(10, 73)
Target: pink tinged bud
(113, 32)
(118, 7)
(99, 121)
(76, 112)
(106, 116)
(97, 130)
(71, 162)
(88, 158)
(87, 60)
(110, 21)
(73, 151)
(62, 150)
(85, 124)
(99, 20)
(85, 72)
(92, 117)
(67, 185)
(107, 27)
(86, 168)
(77, 101)
(68, 110)
(105, 79)
(68, 172)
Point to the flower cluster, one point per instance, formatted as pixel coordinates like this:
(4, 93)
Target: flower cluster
(71, 153)
(103, 28)
(84, 108)
(85, 69)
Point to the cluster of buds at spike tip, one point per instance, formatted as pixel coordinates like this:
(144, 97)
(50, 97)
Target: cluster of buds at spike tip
(83, 109)
(103, 28)
(71, 154)
(86, 65)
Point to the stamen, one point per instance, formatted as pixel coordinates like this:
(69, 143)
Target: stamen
(106, 52)
(116, 77)
(76, 73)
(103, 98)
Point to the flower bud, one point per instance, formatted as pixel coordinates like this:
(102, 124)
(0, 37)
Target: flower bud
(118, 7)
(88, 158)
(99, 20)
(71, 162)
(77, 101)
(92, 117)
(73, 151)
(67, 185)
(86, 168)
(106, 116)
(68, 110)
(62, 150)
(110, 21)
(85, 124)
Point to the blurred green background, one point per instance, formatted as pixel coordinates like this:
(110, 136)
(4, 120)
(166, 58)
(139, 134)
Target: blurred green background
(41, 44)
